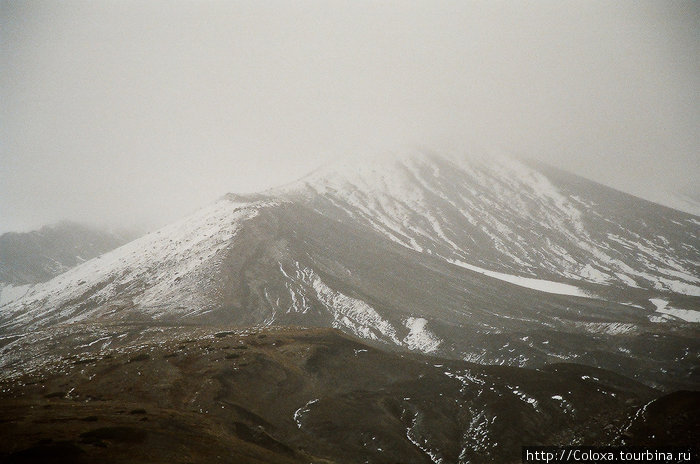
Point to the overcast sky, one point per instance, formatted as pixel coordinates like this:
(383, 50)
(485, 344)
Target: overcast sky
(131, 113)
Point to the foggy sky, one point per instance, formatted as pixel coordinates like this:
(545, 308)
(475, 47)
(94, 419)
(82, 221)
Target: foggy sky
(136, 113)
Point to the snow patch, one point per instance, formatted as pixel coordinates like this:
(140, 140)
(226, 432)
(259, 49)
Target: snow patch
(10, 293)
(299, 413)
(610, 328)
(662, 307)
(419, 338)
(524, 397)
(541, 285)
(594, 275)
(352, 313)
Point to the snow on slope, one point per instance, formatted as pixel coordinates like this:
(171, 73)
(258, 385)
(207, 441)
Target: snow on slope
(173, 267)
(662, 307)
(419, 338)
(353, 315)
(349, 314)
(546, 286)
(504, 215)
(10, 293)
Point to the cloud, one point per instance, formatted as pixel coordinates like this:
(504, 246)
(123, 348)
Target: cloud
(132, 112)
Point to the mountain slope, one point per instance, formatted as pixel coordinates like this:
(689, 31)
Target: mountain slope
(510, 216)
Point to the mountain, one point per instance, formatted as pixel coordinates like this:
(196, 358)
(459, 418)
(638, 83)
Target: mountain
(29, 258)
(493, 261)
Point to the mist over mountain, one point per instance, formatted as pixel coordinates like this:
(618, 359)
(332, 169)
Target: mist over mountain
(166, 107)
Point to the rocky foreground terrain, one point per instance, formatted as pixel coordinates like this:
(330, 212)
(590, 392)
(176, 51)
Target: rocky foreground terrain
(287, 395)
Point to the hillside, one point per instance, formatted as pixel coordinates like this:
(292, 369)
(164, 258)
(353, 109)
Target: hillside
(286, 395)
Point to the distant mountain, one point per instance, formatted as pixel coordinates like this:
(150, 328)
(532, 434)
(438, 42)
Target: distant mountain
(37, 256)
(494, 261)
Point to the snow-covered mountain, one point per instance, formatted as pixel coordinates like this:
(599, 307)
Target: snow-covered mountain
(510, 216)
(494, 261)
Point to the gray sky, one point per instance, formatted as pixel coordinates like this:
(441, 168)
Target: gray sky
(128, 113)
